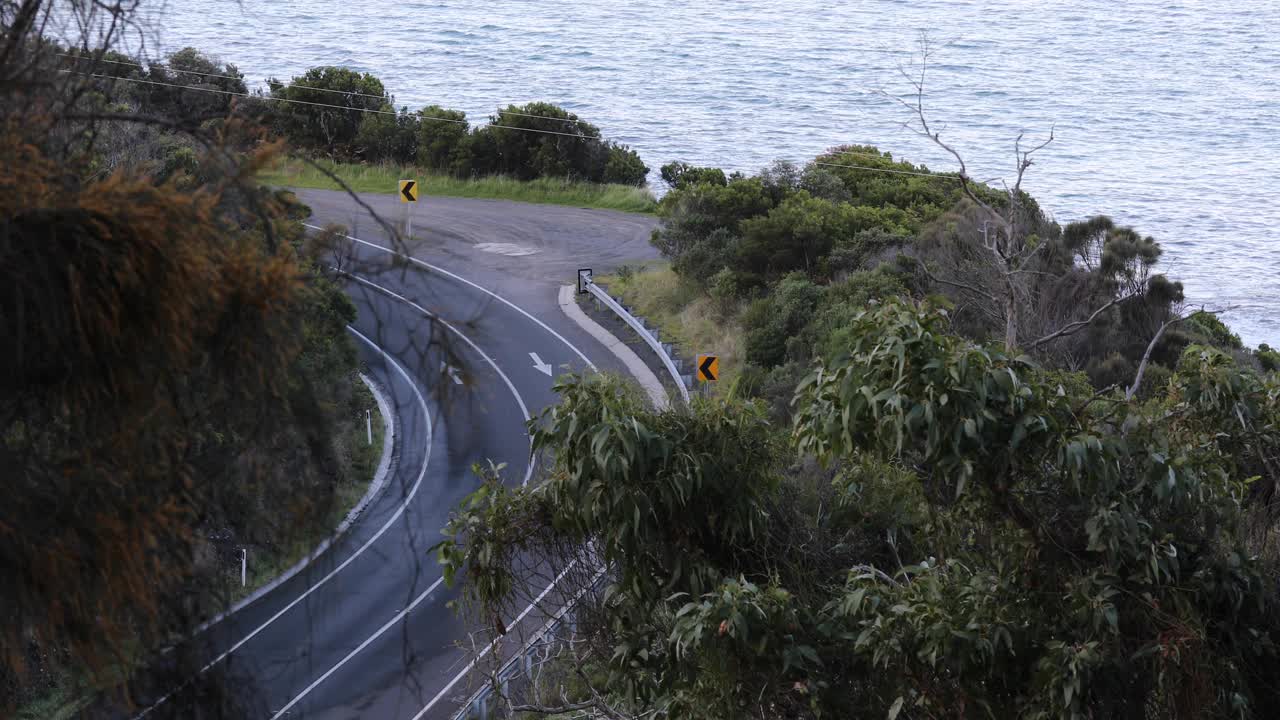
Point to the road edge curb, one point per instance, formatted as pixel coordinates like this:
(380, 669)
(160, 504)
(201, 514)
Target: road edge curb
(375, 487)
(643, 375)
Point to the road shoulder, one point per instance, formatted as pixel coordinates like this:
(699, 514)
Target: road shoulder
(639, 370)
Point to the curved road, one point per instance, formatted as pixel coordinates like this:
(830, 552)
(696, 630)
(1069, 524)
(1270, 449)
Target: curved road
(364, 631)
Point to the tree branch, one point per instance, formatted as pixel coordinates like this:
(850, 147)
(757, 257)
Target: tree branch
(1146, 356)
(960, 285)
(1072, 327)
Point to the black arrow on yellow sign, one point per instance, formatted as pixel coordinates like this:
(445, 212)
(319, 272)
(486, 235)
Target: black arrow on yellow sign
(408, 191)
(708, 368)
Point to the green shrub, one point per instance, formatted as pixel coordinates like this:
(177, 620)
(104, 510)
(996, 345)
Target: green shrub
(444, 142)
(544, 140)
(388, 138)
(1213, 331)
(623, 167)
(679, 175)
(1268, 358)
(332, 120)
(833, 319)
(773, 321)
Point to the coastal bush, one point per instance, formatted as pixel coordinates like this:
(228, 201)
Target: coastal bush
(391, 137)
(679, 175)
(444, 141)
(329, 106)
(189, 68)
(801, 231)
(989, 539)
(544, 140)
(623, 167)
(773, 322)
(1269, 359)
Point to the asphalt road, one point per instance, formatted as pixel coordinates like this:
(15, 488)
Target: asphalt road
(364, 631)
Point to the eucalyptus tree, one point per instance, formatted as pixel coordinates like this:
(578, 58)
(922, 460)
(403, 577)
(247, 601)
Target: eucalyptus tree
(991, 539)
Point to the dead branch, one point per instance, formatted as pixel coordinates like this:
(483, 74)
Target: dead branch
(1077, 325)
(1155, 340)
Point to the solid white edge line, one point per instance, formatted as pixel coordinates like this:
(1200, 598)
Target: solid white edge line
(422, 403)
(528, 473)
(482, 289)
(510, 385)
(492, 644)
(375, 487)
(398, 617)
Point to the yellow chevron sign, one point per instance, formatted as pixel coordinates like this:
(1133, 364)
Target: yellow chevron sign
(408, 191)
(708, 368)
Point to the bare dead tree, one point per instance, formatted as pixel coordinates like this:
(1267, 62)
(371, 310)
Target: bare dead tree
(1009, 245)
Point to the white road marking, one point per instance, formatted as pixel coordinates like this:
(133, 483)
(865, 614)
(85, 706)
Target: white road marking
(540, 366)
(492, 644)
(510, 385)
(398, 617)
(528, 473)
(482, 289)
(451, 371)
(422, 403)
(508, 249)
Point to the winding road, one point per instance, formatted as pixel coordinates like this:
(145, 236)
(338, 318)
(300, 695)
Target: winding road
(465, 339)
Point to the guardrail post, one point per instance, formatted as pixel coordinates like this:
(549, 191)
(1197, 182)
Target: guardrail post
(650, 337)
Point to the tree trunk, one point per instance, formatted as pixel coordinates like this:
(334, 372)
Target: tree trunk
(1010, 320)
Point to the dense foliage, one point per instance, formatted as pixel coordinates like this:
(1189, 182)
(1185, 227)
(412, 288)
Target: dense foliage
(178, 380)
(991, 539)
(350, 116)
(855, 217)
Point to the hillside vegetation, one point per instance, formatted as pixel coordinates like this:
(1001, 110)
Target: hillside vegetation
(178, 380)
(891, 511)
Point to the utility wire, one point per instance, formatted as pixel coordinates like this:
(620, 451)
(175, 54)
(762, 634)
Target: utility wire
(885, 170)
(291, 85)
(464, 122)
(873, 156)
(324, 105)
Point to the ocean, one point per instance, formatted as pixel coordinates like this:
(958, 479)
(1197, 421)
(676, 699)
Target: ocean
(1166, 114)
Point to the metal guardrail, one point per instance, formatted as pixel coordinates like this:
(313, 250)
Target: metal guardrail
(644, 333)
(477, 706)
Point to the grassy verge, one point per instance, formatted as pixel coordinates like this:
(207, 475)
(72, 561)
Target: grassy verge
(60, 703)
(360, 460)
(684, 312)
(384, 178)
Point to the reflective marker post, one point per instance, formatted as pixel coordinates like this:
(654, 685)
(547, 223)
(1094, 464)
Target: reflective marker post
(368, 424)
(244, 566)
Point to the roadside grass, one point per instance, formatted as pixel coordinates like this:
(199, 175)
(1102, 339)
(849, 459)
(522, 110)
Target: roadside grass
(360, 461)
(62, 702)
(684, 312)
(384, 178)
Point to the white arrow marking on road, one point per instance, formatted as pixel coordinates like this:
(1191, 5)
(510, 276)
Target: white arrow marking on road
(541, 366)
(453, 372)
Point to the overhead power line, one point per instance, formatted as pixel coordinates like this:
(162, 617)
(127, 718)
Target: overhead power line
(885, 170)
(271, 98)
(324, 105)
(292, 84)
